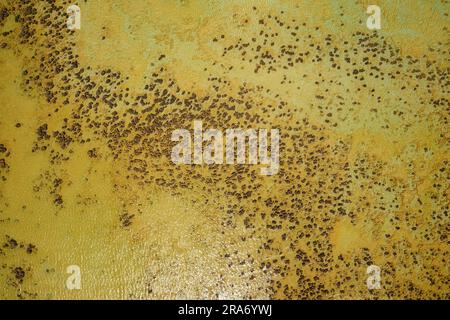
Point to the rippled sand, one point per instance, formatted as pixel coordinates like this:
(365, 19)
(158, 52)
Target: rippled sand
(86, 177)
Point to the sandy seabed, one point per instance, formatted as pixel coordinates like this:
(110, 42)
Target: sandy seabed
(86, 177)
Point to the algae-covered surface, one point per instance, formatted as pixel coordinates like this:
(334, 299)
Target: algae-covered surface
(86, 177)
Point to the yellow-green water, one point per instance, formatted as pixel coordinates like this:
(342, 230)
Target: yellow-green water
(364, 160)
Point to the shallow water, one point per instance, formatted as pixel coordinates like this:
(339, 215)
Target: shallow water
(86, 177)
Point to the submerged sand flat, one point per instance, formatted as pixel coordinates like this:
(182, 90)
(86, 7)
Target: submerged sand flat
(86, 177)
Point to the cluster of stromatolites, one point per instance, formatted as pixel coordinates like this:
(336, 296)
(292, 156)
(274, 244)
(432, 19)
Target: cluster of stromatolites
(316, 181)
